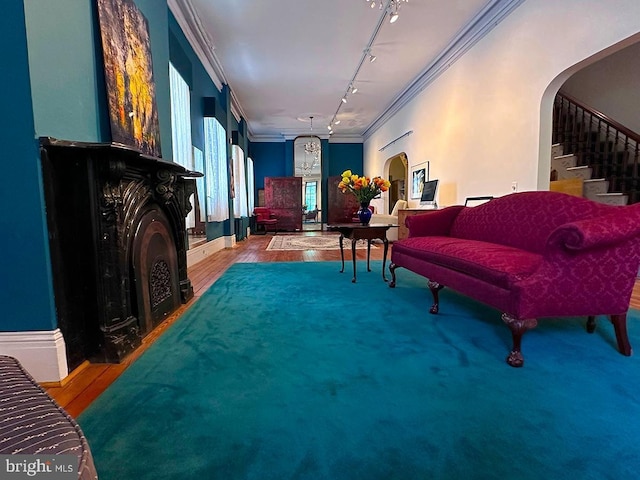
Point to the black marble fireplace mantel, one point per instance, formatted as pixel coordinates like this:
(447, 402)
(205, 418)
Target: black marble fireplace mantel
(116, 220)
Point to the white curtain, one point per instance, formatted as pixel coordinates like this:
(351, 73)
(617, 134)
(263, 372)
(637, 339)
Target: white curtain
(181, 127)
(216, 177)
(240, 206)
(251, 186)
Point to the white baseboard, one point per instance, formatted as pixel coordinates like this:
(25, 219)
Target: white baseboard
(41, 353)
(200, 252)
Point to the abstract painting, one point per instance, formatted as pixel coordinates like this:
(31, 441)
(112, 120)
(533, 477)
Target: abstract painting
(418, 177)
(128, 69)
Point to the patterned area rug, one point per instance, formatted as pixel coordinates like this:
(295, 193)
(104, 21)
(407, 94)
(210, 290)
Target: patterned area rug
(321, 242)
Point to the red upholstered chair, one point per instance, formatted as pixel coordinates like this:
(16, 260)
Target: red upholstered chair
(265, 220)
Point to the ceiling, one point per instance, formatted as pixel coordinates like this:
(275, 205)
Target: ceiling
(287, 61)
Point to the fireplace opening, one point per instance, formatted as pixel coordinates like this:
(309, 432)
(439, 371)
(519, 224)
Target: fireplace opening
(154, 270)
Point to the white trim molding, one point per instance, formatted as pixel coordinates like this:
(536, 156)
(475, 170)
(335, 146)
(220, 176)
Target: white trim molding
(200, 252)
(199, 39)
(41, 353)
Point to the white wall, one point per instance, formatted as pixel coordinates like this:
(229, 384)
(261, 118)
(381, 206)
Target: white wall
(611, 86)
(482, 123)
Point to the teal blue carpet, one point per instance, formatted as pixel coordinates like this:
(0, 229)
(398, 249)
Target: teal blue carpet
(290, 371)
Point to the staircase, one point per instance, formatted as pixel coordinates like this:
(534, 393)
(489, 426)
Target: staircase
(567, 176)
(593, 155)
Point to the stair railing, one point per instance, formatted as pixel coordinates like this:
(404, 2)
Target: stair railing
(609, 148)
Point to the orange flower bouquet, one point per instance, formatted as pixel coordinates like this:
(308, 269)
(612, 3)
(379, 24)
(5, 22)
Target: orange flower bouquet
(365, 189)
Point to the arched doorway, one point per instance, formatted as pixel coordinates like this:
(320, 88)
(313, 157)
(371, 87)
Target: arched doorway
(397, 172)
(610, 87)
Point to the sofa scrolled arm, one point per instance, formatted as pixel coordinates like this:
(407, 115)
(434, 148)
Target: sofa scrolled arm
(605, 230)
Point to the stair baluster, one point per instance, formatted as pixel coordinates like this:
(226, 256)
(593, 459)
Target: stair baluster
(610, 150)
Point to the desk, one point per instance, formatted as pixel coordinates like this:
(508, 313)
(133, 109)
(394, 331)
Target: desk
(355, 232)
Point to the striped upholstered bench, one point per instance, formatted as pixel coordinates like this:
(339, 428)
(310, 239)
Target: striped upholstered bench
(32, 423)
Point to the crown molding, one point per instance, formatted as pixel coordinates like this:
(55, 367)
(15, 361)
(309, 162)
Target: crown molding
(266, 138)
(204, 48)
(199, 39)
(489, 17)
(346, 138)
(236, 110)
(293, 136)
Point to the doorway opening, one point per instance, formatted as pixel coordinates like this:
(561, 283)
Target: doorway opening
(397, 168)
(307, 159)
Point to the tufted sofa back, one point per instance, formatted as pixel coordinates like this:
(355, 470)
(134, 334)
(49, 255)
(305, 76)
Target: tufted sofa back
(524, 220)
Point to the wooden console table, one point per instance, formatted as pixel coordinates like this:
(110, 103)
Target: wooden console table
(355, 232)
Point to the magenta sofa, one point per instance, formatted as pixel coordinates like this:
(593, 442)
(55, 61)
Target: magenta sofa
(530, 255)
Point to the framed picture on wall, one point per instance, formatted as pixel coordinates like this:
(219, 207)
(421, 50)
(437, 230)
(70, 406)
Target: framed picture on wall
(128, 72)
(260, 198)
(419, 175)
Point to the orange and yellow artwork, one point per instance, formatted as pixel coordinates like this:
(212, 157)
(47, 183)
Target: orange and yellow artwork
(128, 69)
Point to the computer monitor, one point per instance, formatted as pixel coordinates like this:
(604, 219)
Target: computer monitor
(429, 191)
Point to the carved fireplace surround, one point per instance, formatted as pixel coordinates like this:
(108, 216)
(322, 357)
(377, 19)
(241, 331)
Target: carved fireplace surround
(116, 221)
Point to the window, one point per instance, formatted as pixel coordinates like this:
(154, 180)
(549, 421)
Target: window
(310, 192)
(240, 205)
(181, 127)
(216, 178)
(251, 186)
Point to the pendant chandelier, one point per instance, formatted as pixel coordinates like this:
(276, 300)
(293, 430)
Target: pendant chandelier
(312, 148)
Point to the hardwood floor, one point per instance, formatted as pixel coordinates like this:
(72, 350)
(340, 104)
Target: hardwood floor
(85, 384)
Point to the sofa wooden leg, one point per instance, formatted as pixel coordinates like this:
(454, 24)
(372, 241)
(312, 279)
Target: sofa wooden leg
(435, 287)
(392, 269)
(518, 327)
(591, 324)
(620, 327)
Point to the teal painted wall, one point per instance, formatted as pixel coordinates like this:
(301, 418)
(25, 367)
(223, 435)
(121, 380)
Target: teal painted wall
(64, 70)
(343, 156)
(26, 295)
(268, 161)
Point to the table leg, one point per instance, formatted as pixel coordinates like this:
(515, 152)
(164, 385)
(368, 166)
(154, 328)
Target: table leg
(353, 256)
(342, 252)
(368, 254)
(384, 256)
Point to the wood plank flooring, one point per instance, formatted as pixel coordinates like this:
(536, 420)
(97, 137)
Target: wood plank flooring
(90, 380)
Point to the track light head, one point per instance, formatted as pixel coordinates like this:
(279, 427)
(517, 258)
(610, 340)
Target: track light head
(344, 99)
(372, 58)
(393, 17)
